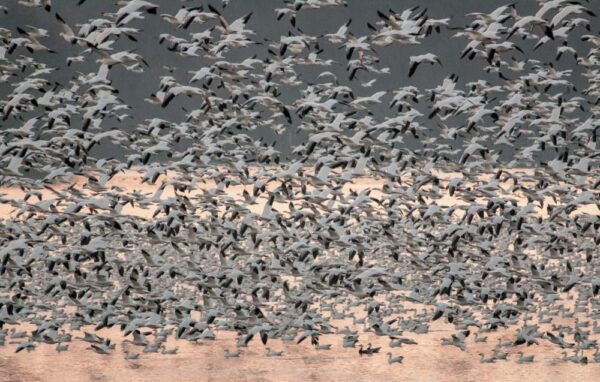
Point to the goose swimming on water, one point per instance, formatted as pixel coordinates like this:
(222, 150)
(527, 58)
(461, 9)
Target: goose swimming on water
(397, 359)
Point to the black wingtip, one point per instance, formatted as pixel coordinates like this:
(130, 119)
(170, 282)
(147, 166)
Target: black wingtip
(213, 10)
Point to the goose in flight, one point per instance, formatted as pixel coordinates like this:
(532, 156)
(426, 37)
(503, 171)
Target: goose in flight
(427, 58)
(129, 7)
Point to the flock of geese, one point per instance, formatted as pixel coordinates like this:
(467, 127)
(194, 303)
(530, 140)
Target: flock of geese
(479, 214)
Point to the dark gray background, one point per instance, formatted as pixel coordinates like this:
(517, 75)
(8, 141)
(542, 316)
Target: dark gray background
(134, 87)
